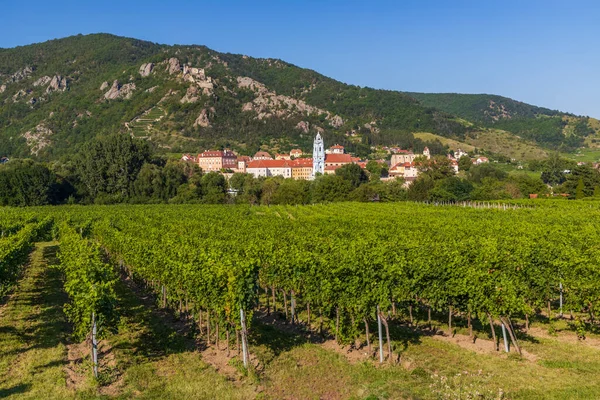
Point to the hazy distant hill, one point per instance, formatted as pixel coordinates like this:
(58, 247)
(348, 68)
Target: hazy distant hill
(58, 94)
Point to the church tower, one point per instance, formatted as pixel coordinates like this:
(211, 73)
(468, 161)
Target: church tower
(318, 156)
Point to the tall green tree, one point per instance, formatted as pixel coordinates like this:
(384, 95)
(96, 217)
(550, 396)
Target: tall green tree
(110, 165)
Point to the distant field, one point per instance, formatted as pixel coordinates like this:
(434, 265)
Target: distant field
(585, 155)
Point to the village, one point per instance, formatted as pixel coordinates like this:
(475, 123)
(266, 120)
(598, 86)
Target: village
(298, 165)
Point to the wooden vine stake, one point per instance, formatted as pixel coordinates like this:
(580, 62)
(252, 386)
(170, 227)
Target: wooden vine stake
(94, 346)
(380, 336)
(506, 349)
(244, 338)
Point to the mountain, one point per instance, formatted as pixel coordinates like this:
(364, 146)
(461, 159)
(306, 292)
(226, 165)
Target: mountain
(549, 128)
(59, 94)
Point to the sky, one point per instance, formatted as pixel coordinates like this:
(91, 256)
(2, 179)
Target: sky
(545, 53)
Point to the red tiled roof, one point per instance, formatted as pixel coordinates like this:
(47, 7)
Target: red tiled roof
(268, 164)
(301, 162)
(338, 158)
(262, 154)
(217, 153)
(337, 146)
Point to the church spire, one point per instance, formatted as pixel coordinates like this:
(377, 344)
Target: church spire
(318, 156)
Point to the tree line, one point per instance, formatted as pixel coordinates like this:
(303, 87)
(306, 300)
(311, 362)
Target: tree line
(121, 169)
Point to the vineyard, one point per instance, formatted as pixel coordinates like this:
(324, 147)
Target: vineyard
(361, 300)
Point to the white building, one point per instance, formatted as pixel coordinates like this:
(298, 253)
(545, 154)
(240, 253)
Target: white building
(318, 156)
(266, 168)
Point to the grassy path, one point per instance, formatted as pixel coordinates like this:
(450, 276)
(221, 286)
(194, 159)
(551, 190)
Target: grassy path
(33, 333)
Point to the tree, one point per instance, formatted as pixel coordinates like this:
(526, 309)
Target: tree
(438, 167)
(419, 189)
(554, 167)
(110, 165)
(451, 189)
(477, 173)
(376, 169)
(26, 183)
(582, 179)
(353, 174)
(579, 194)
(329, 188)
(292, 191)
(465, 163)
(214, 188)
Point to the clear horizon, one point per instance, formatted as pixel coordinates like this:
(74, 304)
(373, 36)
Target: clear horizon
(539, 53)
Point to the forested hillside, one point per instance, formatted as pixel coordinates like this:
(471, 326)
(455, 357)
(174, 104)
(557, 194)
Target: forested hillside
(54, 96)
(61, 93)
(549, 128)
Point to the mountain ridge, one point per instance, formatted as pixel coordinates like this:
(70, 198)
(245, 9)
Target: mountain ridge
(61, 93)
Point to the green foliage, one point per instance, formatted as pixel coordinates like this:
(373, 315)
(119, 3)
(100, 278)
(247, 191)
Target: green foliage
(541, 125)
(27, 183)
(486, 170)
(353, 174)
(89, 282)
(465, 163)
(108, 166)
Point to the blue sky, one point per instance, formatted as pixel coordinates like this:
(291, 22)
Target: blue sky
(542, 52)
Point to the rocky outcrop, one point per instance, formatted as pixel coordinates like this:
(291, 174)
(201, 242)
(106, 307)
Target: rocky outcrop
(372, 126)
(58, 83)
(146, 69)
(248, 83)
(2, 88)
(202, 119)
(21, 74)
(44, 80)
(17, 96)
(152, 89)
(37, 138)
(269, 104)
(104, 85)
(336, 121)
(173, 66)
(303, 126)
(120, 91)
(197, 77)
(191, 96)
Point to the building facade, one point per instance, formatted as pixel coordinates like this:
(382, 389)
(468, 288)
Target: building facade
(217, 160)
(318, 156)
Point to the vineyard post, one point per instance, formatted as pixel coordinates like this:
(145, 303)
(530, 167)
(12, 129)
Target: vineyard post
(367, 336)
(561, 298)
(506, 349)
(292, 306)
(94, 346)
(244, 343)
(380, 336)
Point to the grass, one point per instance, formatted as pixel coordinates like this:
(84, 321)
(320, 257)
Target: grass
(507, 144)
(33, 333)
(154, 356)
(585, 155)
(451, 143)
(492, 140)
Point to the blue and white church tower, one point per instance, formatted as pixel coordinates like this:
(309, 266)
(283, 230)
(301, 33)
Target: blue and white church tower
(318, 156)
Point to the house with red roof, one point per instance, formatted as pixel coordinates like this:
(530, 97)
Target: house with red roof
(266, 168)
(216, 160)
